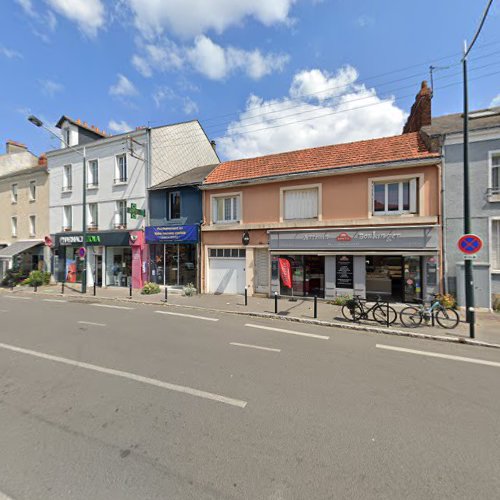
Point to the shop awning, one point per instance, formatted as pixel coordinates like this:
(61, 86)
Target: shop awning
(18, 247)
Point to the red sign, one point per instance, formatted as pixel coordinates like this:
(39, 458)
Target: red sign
(48, 241)
(470, 244)
(285, 272)
(343, 237)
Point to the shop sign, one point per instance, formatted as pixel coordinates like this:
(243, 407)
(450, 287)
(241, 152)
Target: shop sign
(387, 238)
(172, 234)
(245, 238)
(92, 239)
(344, 271)
(104, 238)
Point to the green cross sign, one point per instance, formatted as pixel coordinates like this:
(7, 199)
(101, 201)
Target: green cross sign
(134, 211)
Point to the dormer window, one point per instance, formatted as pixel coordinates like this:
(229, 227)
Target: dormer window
(67, 136)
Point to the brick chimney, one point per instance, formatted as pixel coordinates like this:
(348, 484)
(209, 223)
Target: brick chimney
(42, 160)
(421, 111)
(12, 147)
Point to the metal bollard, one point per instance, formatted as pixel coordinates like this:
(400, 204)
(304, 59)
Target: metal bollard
(246, 296)
(94, 288)
(166, 293)
(275, 302)
(36, 288)
(315, 307)
(130, 291)
(62, 288)
(388, 322)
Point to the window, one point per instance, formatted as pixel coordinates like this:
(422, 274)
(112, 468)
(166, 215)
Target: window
(174, 204)
(93, 216)
(395, 197)
(13, 224)
(227, 252)
(300, 204)
(13, 193)
(121, 169)
(495, 174)
(93, 174)
(495, 245)
(226, 209)
(121, 214)
(67, 218)
(67, 136)
(32, 225)
(67, 178)
(32, 190)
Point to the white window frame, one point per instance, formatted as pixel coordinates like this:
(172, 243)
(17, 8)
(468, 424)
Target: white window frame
(495, 195)
(32, 225)
(120, 214)
(67, 186)
(91, 223)
(13, 226)
(67, 221)
(14, 194)
(300, 187)
(493, 270)
(419, 195)
(119, 179)
(32, 190)
(213, 207)
(95, 180)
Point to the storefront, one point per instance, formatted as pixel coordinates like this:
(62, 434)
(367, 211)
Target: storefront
(110, 257)
(173, 254)
(399, 264)
(25, 256)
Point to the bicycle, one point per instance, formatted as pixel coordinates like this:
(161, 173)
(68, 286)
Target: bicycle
(412, 316)
(355, 309)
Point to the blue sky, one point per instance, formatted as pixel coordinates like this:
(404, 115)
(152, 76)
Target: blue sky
(261, 76)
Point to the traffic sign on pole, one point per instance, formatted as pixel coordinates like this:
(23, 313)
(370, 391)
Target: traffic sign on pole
(470, 244)
(82, 252)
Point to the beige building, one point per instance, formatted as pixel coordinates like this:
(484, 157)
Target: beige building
(24, 205)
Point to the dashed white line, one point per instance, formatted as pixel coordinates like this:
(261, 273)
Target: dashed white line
(113, 307)
(130, 376)
(272, 349)
(439, 355)
(91, 323)
(187, 315)
(291, 332)
(14, 297)
(60, 301)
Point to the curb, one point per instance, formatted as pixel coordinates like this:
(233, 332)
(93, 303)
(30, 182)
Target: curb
(294, 319)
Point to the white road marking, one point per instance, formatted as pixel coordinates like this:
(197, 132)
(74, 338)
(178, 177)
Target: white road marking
(131, 376)
(187, 315)
(3, 496)
(55, 300)
(438, 355)
(113, 307)
(90, 323)
(14, 297)
(3, 310)
(311, 335)
(255, 347)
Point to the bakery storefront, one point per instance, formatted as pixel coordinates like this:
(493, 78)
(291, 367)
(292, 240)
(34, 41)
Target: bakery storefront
(398, 264)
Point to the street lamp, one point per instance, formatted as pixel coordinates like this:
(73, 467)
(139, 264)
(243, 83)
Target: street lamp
(38, 123)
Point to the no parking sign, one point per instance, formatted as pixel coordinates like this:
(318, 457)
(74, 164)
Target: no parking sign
(470, 244)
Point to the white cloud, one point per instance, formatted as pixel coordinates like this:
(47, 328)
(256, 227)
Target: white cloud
(495, 101)
(364, 21)
(123, 87)
(312, 120)
(189, 18)
(119, 127)
(27, 6)
(189, 106)
(166, 94)
(89, 15)
(142, 66)
(50, 88)
(10, 53)
(208, 58)
(162, 94)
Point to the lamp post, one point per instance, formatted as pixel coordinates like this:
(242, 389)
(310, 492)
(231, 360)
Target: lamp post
(38, 123)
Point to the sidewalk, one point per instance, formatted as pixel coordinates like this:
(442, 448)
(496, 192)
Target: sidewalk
(487, 327)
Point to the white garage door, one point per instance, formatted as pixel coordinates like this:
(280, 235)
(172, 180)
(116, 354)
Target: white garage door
(227, 273)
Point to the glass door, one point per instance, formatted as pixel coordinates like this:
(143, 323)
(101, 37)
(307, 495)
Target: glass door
(412, 279)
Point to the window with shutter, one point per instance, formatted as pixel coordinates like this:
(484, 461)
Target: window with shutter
(300, 204)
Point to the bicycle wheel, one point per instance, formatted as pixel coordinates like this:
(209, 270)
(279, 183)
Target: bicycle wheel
(410, 317)
(447, 318)
(352, 313)
(380, 315)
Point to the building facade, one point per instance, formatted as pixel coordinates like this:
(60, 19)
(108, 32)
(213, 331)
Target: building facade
(359, 218)
(24, 203)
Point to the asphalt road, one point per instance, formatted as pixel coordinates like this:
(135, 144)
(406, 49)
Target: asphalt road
(106, 403)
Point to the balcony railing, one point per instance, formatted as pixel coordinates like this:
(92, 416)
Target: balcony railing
(66, 228)
(493, 193)
(67, 188)
(92, 226)
(121, 180)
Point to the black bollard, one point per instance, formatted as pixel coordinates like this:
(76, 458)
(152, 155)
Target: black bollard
(246, 296)
(130, 290)
(62, 288)
(166, 293)
(315, 307)
(388, 322)
(275, 302)
(94, 288)
(36, 288)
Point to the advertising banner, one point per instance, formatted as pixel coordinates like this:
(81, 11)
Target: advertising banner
(285, 272)
(172, 234)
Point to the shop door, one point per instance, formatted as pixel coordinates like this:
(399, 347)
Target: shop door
(98, 270)
(412, 279)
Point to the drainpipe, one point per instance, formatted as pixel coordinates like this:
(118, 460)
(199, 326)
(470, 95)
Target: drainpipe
(443, 220)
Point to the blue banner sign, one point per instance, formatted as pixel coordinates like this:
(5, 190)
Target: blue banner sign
(172, 234)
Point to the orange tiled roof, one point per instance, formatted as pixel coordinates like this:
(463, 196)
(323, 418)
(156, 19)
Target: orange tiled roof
(384, 150)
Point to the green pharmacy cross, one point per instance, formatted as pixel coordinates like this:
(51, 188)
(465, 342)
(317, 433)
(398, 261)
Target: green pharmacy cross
(134, 211)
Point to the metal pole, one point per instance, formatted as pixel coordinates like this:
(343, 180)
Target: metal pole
(275, 302)
(469, 279)
(166, 293)
(315, 307)
(246, 296)
(62, 288)
(84, 222)
(388, 322)
(130, 290)
(36, 287)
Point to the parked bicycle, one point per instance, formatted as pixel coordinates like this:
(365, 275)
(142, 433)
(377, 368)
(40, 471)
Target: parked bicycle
(413, 316)
(356, 309)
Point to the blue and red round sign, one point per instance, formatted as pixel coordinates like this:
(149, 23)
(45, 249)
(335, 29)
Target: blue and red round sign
(470, 244)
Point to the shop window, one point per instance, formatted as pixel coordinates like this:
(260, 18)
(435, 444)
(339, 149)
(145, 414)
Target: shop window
(121, 214)
(226, 209)
(67, 218)
(393, 198)
(495, 245)
(92, 222)
(228, 252)
(93, 174)
(300, 204)
(13, 225)
(174, 203)
(32, 190)
(67, 178)
(32, 223)
(13, 193)
(121, 169)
